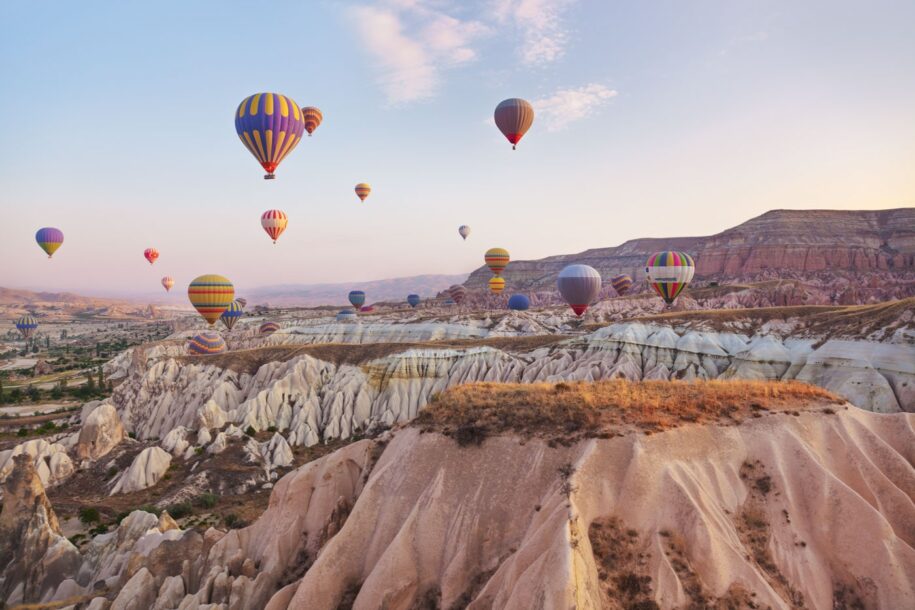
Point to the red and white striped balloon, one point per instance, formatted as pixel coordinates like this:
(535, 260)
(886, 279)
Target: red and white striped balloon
(274, 223)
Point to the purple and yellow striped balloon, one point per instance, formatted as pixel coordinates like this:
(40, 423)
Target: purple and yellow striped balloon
(270, 125)
(49, 239)
(621, 283)
(268, 328)
(206, 344)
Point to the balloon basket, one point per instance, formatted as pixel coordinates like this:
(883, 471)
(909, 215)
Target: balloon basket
(269, 177)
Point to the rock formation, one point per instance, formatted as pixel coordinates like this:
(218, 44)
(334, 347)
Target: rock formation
(145, 471)
(34, 557)
(803, 244)
(100, 433)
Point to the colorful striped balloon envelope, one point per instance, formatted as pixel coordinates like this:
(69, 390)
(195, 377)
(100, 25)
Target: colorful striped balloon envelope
(232, 313)
(621, 283)
(268, 328)
(206, 344)
(270, 126)
(26, 326)
(496, 285)
(496, 259)
(669, 272)
(210, 295)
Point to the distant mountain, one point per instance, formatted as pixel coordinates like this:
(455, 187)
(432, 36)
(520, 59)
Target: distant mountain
(809, 245)
(15, 302)
(394, 289)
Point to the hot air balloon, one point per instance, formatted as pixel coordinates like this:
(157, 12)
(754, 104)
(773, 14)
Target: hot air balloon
(621, 283)
(457, 293)
(669, 272)
(231, 315)
(357, 298)
(151, 254)
(206, 344)
(367, 308)
(496, 259)
(210, 295)
(579, 285)
(464, 231)
(26, 326)
(49, 239)
(496, 285)
(274, 223)
(346, 315)
(268, 328)
(513, 118)
(242, 302)
(519, 302)
(363, 190)
(168, 282)
(413, 300)
(270, 125)
(312, 117)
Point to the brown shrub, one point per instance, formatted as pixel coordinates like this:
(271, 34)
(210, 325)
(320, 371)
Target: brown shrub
(573, 410)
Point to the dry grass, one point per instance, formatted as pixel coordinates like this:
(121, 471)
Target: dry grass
(569, 411)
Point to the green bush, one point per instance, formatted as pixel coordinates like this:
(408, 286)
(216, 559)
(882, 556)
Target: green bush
(112, 470)
(206, 500)
(233, 521)
(179, 511)
(88, 514)
(250, 431)
(271, 429)
(23, 432)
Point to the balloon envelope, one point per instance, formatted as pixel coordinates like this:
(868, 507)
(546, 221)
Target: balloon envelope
(457, 293)
(367, 308)
(312, 117)
(26, 325)
(621, 283)
(413, 300)
(464, 231)
(345, 315)
(519, 302)
(151, 254)
(363, 190)
(357, 298)
(210, 295)
(496, 259)
(206, 344)
(669, 272)
(270, 126)
(168, 282)
(231, 315)
(274, 223)
(514, 117)
(268, 328)
(496, 285)
(49, 239)
(242, 302)
(579, 285)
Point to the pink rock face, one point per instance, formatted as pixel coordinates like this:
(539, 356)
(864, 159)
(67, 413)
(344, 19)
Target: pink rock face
(868, 247)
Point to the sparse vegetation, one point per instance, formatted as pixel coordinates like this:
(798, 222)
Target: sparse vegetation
(179, 511)
(89, 514)
(568, 411)
(207, 500)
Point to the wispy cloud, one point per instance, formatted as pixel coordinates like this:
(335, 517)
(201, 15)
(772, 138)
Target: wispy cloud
(412, 42)
(569, 105)
(541, 25)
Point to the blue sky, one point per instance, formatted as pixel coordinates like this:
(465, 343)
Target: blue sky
(654, 118)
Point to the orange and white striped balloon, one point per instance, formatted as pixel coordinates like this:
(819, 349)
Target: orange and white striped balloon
(168, 282)
(274, 223)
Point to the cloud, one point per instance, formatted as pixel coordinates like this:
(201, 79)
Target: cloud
(569, 105)
(412, 43)
(543, 32)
